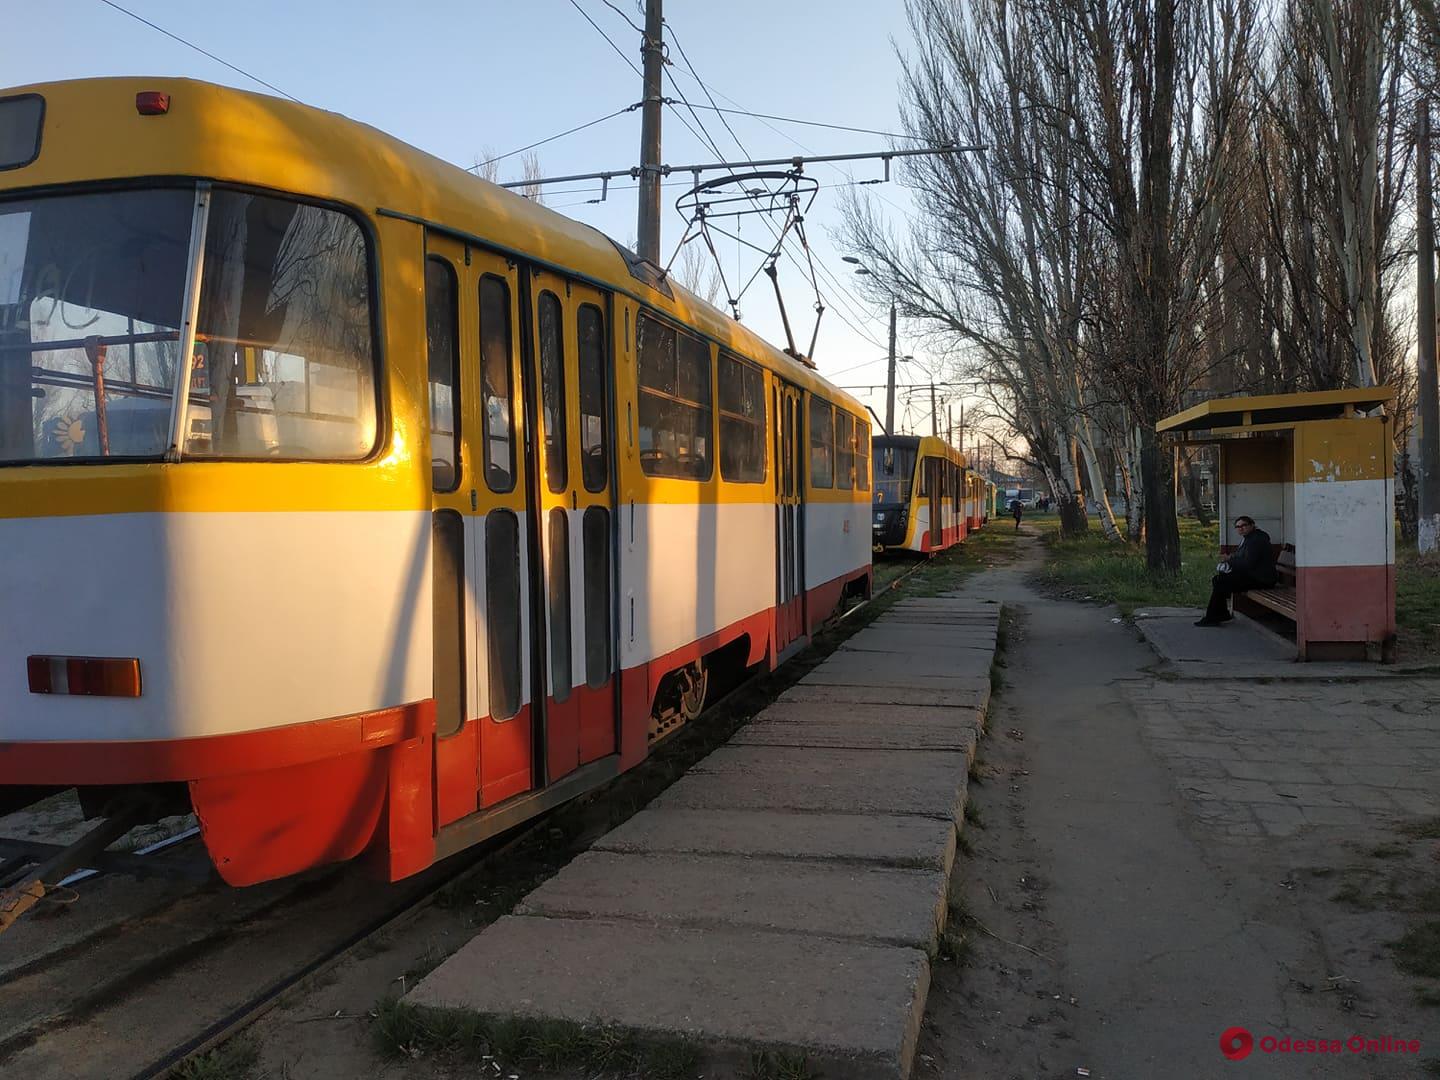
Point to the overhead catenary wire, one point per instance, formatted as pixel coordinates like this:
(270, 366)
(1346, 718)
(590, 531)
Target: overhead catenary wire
(619, 52)
(552, 138)
(203, 52)
(706, 140)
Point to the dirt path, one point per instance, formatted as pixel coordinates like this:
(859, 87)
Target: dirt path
(1158, 921)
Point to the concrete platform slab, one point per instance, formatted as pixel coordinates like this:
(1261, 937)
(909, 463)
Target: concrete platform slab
(845, 781)
(848, 735)
(853, 1008)
(936, 671)
(883, 839)
(836, 900)
(968, 694)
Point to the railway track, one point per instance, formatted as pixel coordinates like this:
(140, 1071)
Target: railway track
(235, 954)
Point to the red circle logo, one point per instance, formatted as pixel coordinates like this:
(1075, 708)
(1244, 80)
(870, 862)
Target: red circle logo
(1236, 1043)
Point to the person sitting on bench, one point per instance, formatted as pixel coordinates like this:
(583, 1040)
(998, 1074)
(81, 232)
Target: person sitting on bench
(1250, 566)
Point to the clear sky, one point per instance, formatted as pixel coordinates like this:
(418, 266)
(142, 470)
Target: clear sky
(458, 79)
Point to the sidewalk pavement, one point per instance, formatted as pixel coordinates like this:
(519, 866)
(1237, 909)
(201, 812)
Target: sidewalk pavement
(785, 895)
(1241, 648)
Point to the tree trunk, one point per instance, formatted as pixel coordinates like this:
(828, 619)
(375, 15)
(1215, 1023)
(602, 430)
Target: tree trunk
(1192, 489)
(1134, 488)
(1162, 530)
(1097, 484)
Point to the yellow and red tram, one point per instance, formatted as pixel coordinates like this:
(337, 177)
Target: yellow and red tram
(926, 500)
(358, 504)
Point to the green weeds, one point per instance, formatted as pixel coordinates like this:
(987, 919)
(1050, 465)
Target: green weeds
(409, 1031)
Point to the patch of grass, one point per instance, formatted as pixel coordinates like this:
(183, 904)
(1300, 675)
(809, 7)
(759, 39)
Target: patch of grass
(1417, 600)
(973, 815)
(1428, 829)
(774, 1065)
(954, 946)
(233, 1060)
(1391, 851)
(964, 844)
(409, 1031)
(1113, 572)
(1418, 950)
(1431, 1066)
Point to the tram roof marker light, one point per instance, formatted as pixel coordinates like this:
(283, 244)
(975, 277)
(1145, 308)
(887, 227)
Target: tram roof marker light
(152, 103)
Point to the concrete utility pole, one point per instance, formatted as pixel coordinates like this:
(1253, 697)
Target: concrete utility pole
(1428, 420)
(890, 379)
(648, 225)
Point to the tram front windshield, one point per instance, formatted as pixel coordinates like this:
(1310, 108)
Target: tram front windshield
(894, 469)
(92, 286)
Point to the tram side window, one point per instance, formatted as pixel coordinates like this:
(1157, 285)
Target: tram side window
(675, 402)
(284, 365)
(924, 491)
(844, 450)
(443, 346)
(552, 390)
(862, 455)
(496, 384)
(822, 443)
(502, 612)
(594, 459)
(742, 421)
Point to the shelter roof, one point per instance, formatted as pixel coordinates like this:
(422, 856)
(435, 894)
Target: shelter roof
(1272, 410)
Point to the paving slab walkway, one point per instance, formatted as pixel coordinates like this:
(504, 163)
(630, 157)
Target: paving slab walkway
(786, 894)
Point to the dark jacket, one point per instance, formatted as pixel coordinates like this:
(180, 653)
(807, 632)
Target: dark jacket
(1255, 558)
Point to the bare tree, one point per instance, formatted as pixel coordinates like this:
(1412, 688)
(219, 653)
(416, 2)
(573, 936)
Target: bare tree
(695, 269)
(530, 172)
(487, 165)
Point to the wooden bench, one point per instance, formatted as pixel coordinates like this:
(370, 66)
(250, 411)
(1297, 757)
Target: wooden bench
(1281, 597)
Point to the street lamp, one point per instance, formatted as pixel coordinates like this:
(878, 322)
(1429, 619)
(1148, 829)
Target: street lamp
(862, 269)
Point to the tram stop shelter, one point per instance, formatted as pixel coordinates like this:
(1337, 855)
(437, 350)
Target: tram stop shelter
(1316, 472)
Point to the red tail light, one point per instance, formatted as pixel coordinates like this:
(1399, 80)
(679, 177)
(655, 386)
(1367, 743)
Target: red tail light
(92, 676)
(152, 103)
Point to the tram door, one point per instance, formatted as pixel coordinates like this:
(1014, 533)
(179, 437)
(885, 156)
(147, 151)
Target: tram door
(567, 376)
(789, 518)
(483, 723)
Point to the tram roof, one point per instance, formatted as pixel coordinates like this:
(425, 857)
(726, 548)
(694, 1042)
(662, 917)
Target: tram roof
(93, 132)
(924, 445)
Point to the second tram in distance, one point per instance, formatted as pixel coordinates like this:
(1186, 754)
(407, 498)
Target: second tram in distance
(925, 498)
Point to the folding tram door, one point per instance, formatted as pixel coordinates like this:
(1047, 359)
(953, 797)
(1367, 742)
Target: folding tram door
(789, 519)
(568, 389)
(522, 568)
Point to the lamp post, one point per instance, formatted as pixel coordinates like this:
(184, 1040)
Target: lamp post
(862, 269)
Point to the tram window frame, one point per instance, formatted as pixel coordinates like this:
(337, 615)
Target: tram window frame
(923, 487)
(844, 450)
(659, 372)
(820, 420)
(381, 417)
(593, 379)
(489, 436)
(558, 608)
(595, 545)
(862, 454)
(748, 466)
(504, 615)
(445, 472)
(552, 391)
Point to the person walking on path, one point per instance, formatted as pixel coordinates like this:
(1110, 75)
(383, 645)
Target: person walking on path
(1017, 508)
(1250, 566)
